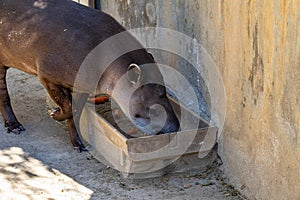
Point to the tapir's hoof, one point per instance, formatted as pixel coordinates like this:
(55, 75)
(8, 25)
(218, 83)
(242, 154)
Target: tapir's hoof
(79, 146)
(58, 115)
(54, 112)
(80, 149)
(17, 130)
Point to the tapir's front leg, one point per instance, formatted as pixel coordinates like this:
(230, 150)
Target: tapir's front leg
(63, 98)
(9, 118)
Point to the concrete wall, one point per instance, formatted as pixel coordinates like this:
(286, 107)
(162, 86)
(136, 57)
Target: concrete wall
(256, 47)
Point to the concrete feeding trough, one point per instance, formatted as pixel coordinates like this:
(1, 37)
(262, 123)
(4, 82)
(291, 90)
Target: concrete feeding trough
(150, 156)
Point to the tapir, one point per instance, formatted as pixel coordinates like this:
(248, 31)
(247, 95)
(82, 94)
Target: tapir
(52, 39)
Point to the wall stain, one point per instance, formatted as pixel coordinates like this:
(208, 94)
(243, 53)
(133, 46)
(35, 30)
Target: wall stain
(256, 77)
(249, 17)
(136, 14)
(196, 3)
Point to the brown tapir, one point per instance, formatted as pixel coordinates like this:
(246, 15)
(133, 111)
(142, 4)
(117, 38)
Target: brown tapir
(52, 38)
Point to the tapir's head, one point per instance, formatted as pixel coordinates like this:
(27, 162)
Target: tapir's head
(138, 88)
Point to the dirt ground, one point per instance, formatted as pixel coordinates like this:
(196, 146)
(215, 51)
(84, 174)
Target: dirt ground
(41, 163)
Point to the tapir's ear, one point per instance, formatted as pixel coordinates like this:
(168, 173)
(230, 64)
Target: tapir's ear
(134, 73)
(151, 55)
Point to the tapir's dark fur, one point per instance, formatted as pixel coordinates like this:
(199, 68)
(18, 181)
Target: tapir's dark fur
(50, 39)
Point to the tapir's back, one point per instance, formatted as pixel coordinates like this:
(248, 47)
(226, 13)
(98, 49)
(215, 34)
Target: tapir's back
(31, 30)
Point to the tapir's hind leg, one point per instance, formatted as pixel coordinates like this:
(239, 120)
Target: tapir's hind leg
(79, 101)
(9, 118)
(63, 98)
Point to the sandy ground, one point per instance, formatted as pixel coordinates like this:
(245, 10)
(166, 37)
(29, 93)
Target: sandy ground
(41, 163)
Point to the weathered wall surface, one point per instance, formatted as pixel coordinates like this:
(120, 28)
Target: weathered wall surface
(256, 47)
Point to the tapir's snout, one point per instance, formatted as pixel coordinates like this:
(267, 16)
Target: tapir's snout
(151, 111)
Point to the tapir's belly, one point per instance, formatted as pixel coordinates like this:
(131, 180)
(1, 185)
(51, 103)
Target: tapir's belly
(25, 65)
(17, 47)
